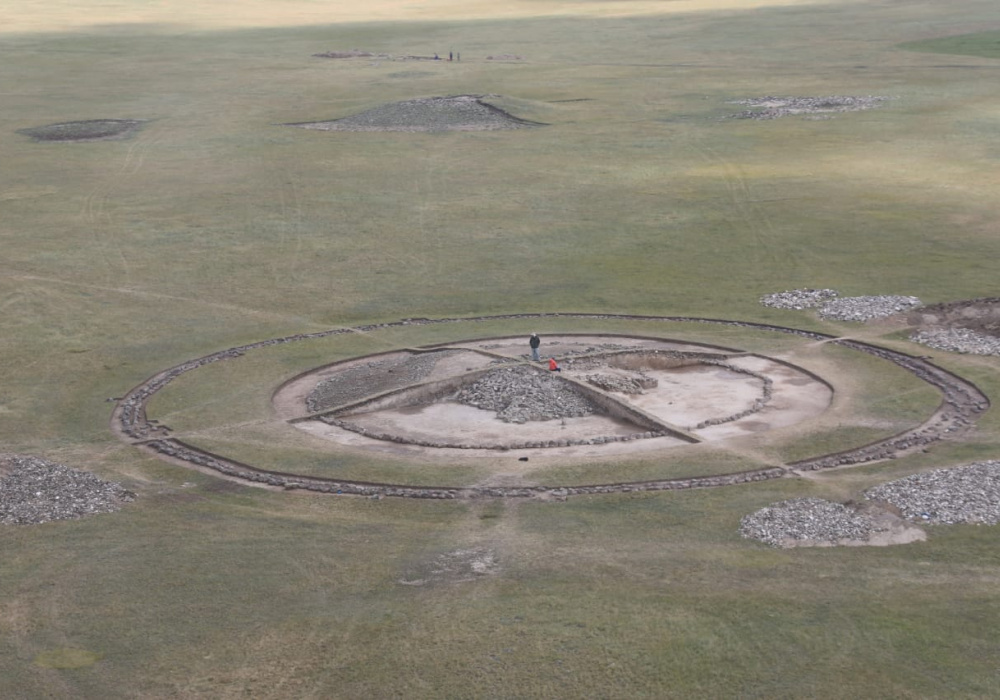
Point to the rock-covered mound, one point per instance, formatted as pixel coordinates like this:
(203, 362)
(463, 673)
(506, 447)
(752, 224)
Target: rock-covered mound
(522, 394)
(969, 494)
(806, 519)
(799, 299)
(867, 308)
(364, 380)
(961, 340)
(87, 130)
(34, 490)
(455, 113)
(771, 107)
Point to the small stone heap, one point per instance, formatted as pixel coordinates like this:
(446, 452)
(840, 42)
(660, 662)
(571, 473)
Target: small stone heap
(867, 308)
(968, 494)
(623, 384)
(799, 299)
(35, 491)
(522, 394)
(806, 519)
(963, 340)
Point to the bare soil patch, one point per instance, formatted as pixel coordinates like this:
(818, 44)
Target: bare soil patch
(87, 130)
(454, 113)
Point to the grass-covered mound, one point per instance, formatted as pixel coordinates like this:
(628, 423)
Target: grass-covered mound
(86, 130)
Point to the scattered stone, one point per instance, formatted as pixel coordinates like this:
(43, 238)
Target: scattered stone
(806, 519)
(770, 107)
(34, 491)
(867, 308)
(968, 494)
(799, 299)
(963, 340)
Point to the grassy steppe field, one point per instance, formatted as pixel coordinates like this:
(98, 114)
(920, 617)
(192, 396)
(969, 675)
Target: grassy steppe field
(214, 226)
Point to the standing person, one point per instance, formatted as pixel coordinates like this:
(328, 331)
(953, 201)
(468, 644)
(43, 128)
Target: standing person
(534, 342)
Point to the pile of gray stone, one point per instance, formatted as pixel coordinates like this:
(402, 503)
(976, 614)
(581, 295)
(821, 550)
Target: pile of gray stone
(771, 107)
(968, 494)
(799, 299)
(453, 113)
(807, 519)
(34, 491)
(963, 340)
(374, 377)
(521, 394)
(867, 308)
(631, 384)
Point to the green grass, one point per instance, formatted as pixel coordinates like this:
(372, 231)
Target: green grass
(214, 227)
(982, 44)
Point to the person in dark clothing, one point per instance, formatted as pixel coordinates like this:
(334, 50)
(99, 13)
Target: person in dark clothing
(534, 342)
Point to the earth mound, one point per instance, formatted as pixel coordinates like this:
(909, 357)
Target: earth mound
(971, 326)
(455, 113)
(87, 130)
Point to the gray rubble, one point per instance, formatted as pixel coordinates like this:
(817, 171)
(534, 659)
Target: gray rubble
(867, 308)
(521, 394)
(363, 380)
(34, 491)
(772, 107)
(799, 299)
(962, 340)
(967, 494)
(806, 519)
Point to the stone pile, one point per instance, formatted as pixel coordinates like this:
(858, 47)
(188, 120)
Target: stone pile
(364, 380)
(799, 299)
(776, 107)
(35, 491)
(453, 113)
(806, 519)
(969, 494)
(522, 394)
(866, 308)
(623, 384)
(963, 340)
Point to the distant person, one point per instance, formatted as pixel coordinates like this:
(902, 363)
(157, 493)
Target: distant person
(450, 55)
(534, 342)
(554, 366)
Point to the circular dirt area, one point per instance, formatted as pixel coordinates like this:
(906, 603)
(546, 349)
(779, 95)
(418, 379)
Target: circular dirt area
(455, 113)
(484, 405)
(88, 130)
(610, 391)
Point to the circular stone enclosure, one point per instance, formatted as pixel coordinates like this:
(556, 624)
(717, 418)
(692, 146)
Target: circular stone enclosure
(636, 392)
(610, 391)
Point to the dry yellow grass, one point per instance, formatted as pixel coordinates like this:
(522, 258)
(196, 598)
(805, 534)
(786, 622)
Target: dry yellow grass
(63, 15)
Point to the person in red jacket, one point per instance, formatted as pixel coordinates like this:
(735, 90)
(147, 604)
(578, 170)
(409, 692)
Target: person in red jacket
(553, 365)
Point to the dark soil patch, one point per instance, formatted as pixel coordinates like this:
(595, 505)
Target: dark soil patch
(353, 53)
(87, 130)
(981, 315)
(454, 113)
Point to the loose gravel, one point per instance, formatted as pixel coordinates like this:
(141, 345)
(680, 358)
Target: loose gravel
(806, 519)
(968, 494)
(770, 107)
(867, 308)
(962, 340)
(522, 394)
(35, 491)
(799, 299)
